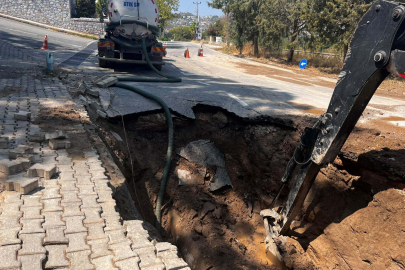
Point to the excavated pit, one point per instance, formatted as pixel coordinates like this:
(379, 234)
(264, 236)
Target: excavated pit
(223, 229)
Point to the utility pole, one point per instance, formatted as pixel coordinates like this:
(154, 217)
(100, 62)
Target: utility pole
(197, 26)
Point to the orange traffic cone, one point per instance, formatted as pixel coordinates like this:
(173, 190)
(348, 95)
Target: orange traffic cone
(187, 54)
(45, 45)
(201, 52)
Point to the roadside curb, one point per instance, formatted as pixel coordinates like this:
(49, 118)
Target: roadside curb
(49, 27)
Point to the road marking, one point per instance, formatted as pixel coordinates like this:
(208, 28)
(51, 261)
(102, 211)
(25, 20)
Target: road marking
(204, 83)
(244, 104)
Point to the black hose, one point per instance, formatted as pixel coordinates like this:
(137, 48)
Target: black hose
(169, 148)
(169, 79)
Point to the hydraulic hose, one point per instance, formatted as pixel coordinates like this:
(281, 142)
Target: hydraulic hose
(169, 79)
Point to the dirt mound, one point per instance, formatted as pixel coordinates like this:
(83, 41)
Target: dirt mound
(371, 238)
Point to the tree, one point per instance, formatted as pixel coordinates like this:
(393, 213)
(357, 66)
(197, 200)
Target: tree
(166, 10)
(244, 14)
(101, 7)
(272, 27)
(334, 21)
(85, 8)
(182, 33)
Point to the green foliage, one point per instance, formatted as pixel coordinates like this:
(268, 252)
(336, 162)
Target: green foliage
(334, 21)
(182, 33)
(86, 8)
(166, 10)
(101, 5)
(291, 24)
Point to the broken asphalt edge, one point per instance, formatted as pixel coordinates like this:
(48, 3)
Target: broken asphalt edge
(85, 35)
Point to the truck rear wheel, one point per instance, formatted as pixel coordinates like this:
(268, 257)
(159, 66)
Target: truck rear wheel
(102, 63)
(158, 67)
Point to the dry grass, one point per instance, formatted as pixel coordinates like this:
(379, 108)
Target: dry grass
(319, 65)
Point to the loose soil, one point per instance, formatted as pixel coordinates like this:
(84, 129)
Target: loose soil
(223, 230)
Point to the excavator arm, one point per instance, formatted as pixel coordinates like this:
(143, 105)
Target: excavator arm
(376, 50)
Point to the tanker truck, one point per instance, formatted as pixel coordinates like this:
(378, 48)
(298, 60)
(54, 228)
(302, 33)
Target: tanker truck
(131, 32)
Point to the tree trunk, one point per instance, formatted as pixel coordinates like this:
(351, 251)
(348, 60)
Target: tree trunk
(293, 38)
(345, 49)
(255, 47)
(290, 55)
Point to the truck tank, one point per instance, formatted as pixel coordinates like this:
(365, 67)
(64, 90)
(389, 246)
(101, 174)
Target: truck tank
(133, 19)
(131, 24)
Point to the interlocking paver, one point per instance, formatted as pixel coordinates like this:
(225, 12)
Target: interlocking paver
(84, 180)
(108, 209)
(8, 257)
(51, 193)
(90, 201)
(21, 184)
(98, 173)
(150, 261)
(60, 134)
(86, 189)
(105, 196)
(59, 144)
(55, 235)
(99, 248)
(53, 220)
(40, 170)
(116, 236)
(68, 186)
(77, 242)
(52, 205)
(12, 197)
(92, 215)
(32, 262)
(10, 222)
(9, 167)
(65, 167)
(72, 210)
(31, 226)
(95, 231)
(31, 201)
(122, 250)
(74, 224)
(101, 184)
(56, 257)
(9, 237)
(104, 263)
(32, 244)
(176, 264)
(129, 264)
(69, 197)
(112, 223)
(80, 260)
(66, 176)
(32, 212)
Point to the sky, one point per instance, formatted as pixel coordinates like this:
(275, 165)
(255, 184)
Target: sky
(204, 9)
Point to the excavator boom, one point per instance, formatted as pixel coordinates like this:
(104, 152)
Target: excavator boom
(376, 50)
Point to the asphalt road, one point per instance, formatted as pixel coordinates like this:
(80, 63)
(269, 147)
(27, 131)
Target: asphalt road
(215, 79)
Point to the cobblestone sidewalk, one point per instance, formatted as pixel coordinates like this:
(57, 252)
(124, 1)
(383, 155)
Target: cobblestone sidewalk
(70, 220)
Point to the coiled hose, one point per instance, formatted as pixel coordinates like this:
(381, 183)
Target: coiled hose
(169, 79)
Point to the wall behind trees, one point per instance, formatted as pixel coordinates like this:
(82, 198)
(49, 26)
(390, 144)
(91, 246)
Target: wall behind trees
(57, 13)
